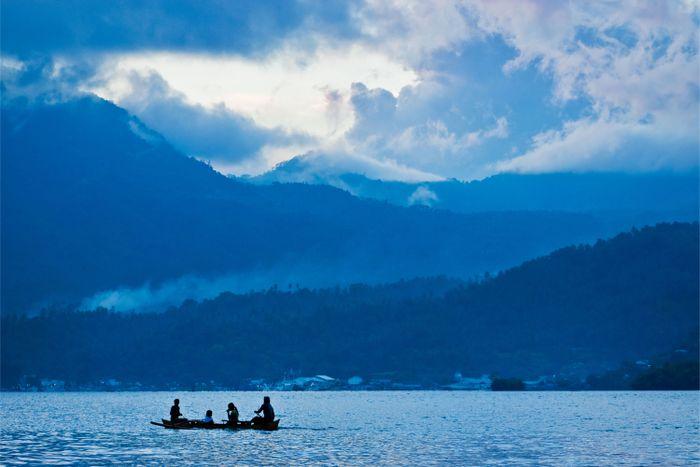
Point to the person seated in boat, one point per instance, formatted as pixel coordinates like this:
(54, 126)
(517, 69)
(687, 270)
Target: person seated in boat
(175, 415)
(267, 411)
(208, 418)
(232, 412)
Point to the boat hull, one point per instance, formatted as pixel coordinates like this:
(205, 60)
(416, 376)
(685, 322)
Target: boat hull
(193, 424)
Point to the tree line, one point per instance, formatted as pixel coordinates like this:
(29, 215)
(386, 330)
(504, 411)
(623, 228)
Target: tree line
(578, 311)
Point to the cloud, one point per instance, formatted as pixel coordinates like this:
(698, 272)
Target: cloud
(605, 144)
(288, 88)
(422, 196)
(413, 30)
(335, 104)
(287, 273)
(436, 136)
(409, 30)
(453, 88)
(288, 103)
(581, 43)
(328, 167)
(43, 77)
(416, 135)
(375, 111)
(148, 297)
(624, 81)
(636, 64)
(244, 27)
(216, 134)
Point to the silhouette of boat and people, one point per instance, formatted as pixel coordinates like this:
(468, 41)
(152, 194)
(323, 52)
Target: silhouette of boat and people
(266, 421)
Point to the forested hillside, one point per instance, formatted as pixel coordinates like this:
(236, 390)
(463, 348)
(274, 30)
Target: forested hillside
(93, 201)
(577, 311)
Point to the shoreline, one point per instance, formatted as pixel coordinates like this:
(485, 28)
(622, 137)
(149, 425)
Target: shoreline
(271, 391)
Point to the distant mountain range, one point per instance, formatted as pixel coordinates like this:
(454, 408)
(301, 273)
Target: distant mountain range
(634, 195)
(579, 311)
(93, 201)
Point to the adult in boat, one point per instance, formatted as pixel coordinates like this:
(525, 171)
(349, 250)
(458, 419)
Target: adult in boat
(232, 413)
(175, 415)
(267, 411)
(208, 417)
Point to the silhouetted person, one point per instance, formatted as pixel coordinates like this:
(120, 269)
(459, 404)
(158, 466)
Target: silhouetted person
(232, 412)
(175, 415)
(208, 418)
(267, 411)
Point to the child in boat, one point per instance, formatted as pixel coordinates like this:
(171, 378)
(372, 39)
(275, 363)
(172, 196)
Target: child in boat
(232, 412)
(267, 410)
(208, 418)
(175, 415)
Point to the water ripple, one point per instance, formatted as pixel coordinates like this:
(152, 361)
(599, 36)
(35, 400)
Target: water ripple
(341, 428)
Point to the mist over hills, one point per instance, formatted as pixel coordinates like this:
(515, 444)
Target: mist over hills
(94, 201)
(577, 311)
(644, 197)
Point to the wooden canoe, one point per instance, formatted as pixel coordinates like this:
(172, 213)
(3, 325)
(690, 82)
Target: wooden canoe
(190, 424)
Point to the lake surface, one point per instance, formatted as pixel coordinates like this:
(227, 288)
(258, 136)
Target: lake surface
(340, 428)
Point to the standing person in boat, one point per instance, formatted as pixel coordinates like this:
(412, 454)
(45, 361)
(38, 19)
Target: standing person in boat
(232, 412)
(175, 415)
(267, 411)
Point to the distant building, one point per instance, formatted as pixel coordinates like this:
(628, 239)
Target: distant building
(482, 383)
(306, 383)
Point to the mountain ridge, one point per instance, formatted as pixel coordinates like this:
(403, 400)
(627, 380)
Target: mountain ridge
(662, 191)
(94, 201)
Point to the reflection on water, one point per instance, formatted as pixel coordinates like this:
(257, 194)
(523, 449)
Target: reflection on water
(358, 428)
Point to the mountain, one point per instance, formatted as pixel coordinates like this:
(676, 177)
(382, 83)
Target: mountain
(93, 201)
(577, 311)
(640, 197)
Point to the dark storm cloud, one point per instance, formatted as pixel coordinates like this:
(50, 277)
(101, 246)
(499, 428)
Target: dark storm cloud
(246, 27)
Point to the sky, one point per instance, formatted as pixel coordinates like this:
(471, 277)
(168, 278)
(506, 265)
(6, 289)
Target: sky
(398, 90)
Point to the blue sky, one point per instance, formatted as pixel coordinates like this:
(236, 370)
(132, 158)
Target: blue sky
(408, 90)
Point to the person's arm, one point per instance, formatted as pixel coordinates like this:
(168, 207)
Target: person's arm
(260, 409)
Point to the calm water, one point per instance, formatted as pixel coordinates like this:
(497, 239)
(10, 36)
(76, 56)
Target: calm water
(554, 428)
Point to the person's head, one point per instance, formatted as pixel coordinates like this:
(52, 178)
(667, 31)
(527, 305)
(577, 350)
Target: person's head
(209, 413)
(231, 406)
(176, 402)
(266, 399)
